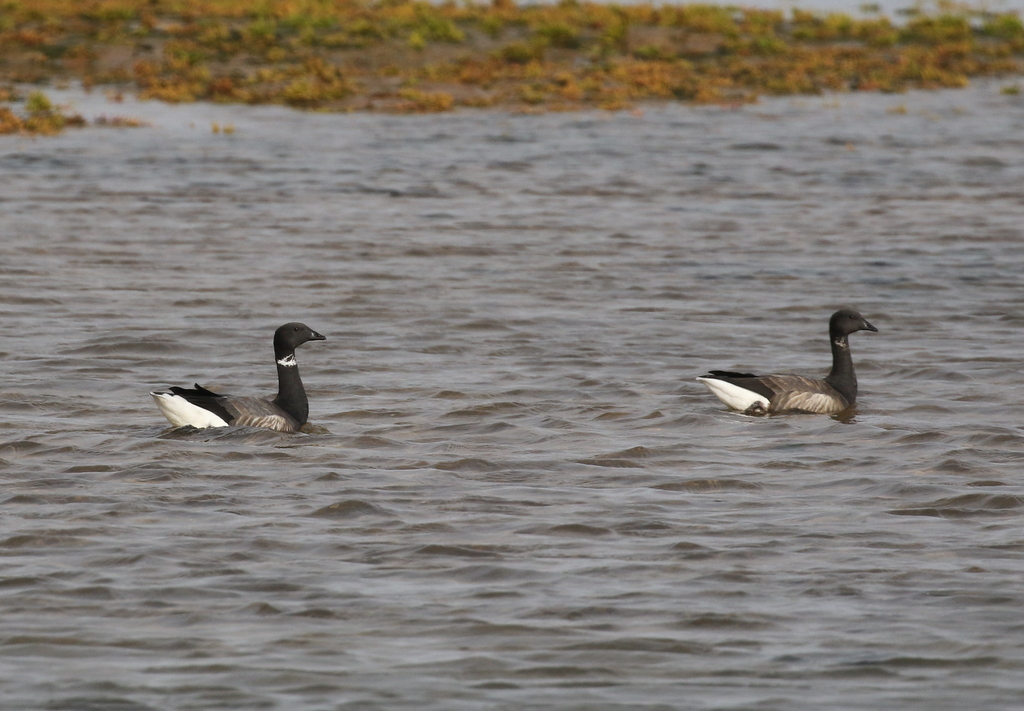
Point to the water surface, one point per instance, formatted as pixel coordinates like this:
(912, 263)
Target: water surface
(520, 497)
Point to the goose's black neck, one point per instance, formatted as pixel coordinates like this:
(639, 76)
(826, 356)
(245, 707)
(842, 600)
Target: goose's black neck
(842, 377)
(291, 396)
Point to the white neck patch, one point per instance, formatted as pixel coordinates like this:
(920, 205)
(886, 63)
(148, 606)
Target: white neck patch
(288, 361)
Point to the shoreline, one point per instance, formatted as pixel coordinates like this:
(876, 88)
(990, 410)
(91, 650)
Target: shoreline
(414, 57)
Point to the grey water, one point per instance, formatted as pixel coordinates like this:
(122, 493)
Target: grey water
(896, 11)
(515, 494)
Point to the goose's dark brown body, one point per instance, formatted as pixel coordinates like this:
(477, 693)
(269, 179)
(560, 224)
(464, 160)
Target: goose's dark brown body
(287, 412)
(773, 394)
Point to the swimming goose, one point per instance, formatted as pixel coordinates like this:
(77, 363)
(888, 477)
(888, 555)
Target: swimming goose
(770, 394)
(285, 413)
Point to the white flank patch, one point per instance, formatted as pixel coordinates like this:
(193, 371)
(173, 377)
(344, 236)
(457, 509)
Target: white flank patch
(271, 422)
(288, 361)
(819, 403)
(733, 395)
(180, 412)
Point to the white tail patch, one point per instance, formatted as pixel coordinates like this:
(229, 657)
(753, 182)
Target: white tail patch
(733, 395)
(180, 412)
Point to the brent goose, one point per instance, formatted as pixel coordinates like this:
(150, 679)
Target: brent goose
(286, 413)
(770, 394)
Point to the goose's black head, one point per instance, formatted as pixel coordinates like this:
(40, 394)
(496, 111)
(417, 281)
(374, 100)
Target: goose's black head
(847, 321)
(292, 335)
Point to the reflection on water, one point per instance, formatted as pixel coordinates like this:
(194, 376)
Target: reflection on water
(518, 496)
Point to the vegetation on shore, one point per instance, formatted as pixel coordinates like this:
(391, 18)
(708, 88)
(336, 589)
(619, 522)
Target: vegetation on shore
(414, 56)
(39, 116)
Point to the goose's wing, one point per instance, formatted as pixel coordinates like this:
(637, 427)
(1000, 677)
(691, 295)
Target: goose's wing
(200, 390)
(257, 412)
(798, 393)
